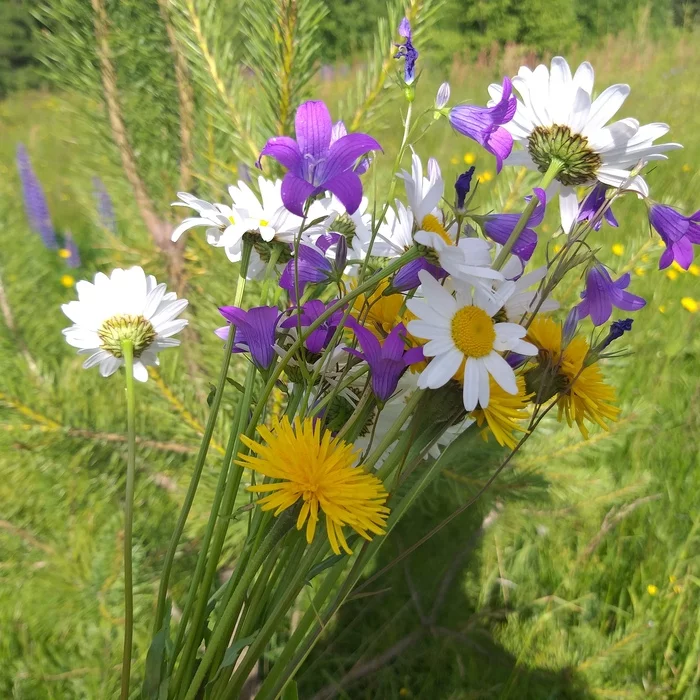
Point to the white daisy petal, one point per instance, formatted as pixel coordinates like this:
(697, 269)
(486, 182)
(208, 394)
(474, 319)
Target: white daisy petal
(606, 107)
(501, 372)
(440, 370)
(472, 376)
(568, 207)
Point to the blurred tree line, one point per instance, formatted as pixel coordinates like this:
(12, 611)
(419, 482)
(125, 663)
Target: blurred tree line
(464, 26)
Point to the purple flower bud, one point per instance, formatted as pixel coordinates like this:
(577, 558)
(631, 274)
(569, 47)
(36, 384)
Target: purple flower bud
(35, 200)
(570, 324)
(463, 185)
(434, 172)
(443, 96)
(617, 330)
(407, 51)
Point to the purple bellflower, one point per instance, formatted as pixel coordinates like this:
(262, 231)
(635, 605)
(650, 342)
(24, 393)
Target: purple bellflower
(592, 204)
(407, 278)
(310, 311)
(498, 227)
(407, 51)
(316, 163)
(617, 330)
(678, 232)
(388, 360)
(255, 331)
(601, 294)
(313, 264)
(35, 200)
(105, 208)
(485, 124)
(463, 185)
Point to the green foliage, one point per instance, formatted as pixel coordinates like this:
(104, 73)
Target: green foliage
(18, 52)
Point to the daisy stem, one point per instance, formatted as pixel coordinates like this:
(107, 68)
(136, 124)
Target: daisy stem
(547, 179)
(128, 353)
(203, 451)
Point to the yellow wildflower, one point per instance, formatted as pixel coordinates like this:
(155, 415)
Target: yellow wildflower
(618, 249)
(689, 304)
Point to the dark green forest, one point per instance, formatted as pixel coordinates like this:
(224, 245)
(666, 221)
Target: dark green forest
(464, 27)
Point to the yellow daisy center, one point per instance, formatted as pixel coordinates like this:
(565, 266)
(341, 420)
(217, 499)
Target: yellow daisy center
(432, 223)
(473, 332)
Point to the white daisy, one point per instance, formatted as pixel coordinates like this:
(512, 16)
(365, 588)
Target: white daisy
(127, 305)
(423, 193)
(394, 236)
(461, 329)
(557, 117)
(521, 300)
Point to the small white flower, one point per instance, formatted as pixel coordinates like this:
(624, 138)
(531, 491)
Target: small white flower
(127, 305)
(394, 236)
(557, 117)
(461, 329)
(423, 193)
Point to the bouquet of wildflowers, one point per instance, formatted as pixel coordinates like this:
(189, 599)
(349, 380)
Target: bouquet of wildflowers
(383, 334)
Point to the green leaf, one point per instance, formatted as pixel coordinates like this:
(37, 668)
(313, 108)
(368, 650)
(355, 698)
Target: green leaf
(232, 653)
(155, 686)
(290, 692)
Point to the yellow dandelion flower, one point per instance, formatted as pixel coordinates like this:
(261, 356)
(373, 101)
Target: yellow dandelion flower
(469, 158)
(689, 304)
(486, 176)
(675, 266)
(662, 308)
(64, 253)
(639, 271)
(671, 579)
(504, 413)
(686, 168)
(67, 280)
(311, 467)
(652, 589)
(672, 274)
(618, 249)
(694, 270)
(585, 395)
(379, 313)
(454, 160)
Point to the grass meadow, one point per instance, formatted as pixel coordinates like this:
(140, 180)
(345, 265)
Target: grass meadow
(577, 575)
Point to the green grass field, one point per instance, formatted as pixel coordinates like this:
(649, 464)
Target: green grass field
(576, 576)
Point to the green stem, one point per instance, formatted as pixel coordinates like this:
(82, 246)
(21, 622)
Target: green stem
(547, 179)
(128, 353)
(201, 455)
(222, 631)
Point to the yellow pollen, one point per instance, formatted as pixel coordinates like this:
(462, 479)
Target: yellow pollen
(432, 223)
(473, 332)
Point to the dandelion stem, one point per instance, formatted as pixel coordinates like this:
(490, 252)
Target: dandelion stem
(128, 352)
(547, 179)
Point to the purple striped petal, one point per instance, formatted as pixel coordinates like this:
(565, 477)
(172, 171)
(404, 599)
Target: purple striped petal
(348, 189)
(313, 129)
(344, 153)
(295, 192)
(285, 151)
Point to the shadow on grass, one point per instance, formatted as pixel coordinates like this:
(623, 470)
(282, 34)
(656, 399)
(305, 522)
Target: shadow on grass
(417, 630)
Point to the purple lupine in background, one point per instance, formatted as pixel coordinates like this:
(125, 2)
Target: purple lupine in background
(70, 252)
(498, 227)
(315, 163)
(485, 124)
(592, 204)
(601, 294)
(407, 51)
(35, 200)
(678, 232)
(255, 331)
(313, 264)
(388, 360)
(103, 202)
(310, 311)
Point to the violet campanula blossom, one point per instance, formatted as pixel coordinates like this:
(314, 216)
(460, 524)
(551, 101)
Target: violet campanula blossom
(498, 227)
(315, 162)
(319, 338)
(388, 360)
(255, 331)
(407, 51)
(485, 124)
(463, 185)
(678, 232)
(407, 277)
(314, 265)
(593, 203)
(35, 200)
(601, 294)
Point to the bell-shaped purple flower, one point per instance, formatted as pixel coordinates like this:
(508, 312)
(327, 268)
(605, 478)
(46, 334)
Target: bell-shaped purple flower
(255, 331)
(314, 265)
(592, 204)
(388, 360)
(316, 162)
(601, 294)
(678, 232)
(485, 124)
(498, 227)
(319, 338)
(407, 51)
(407, 277)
